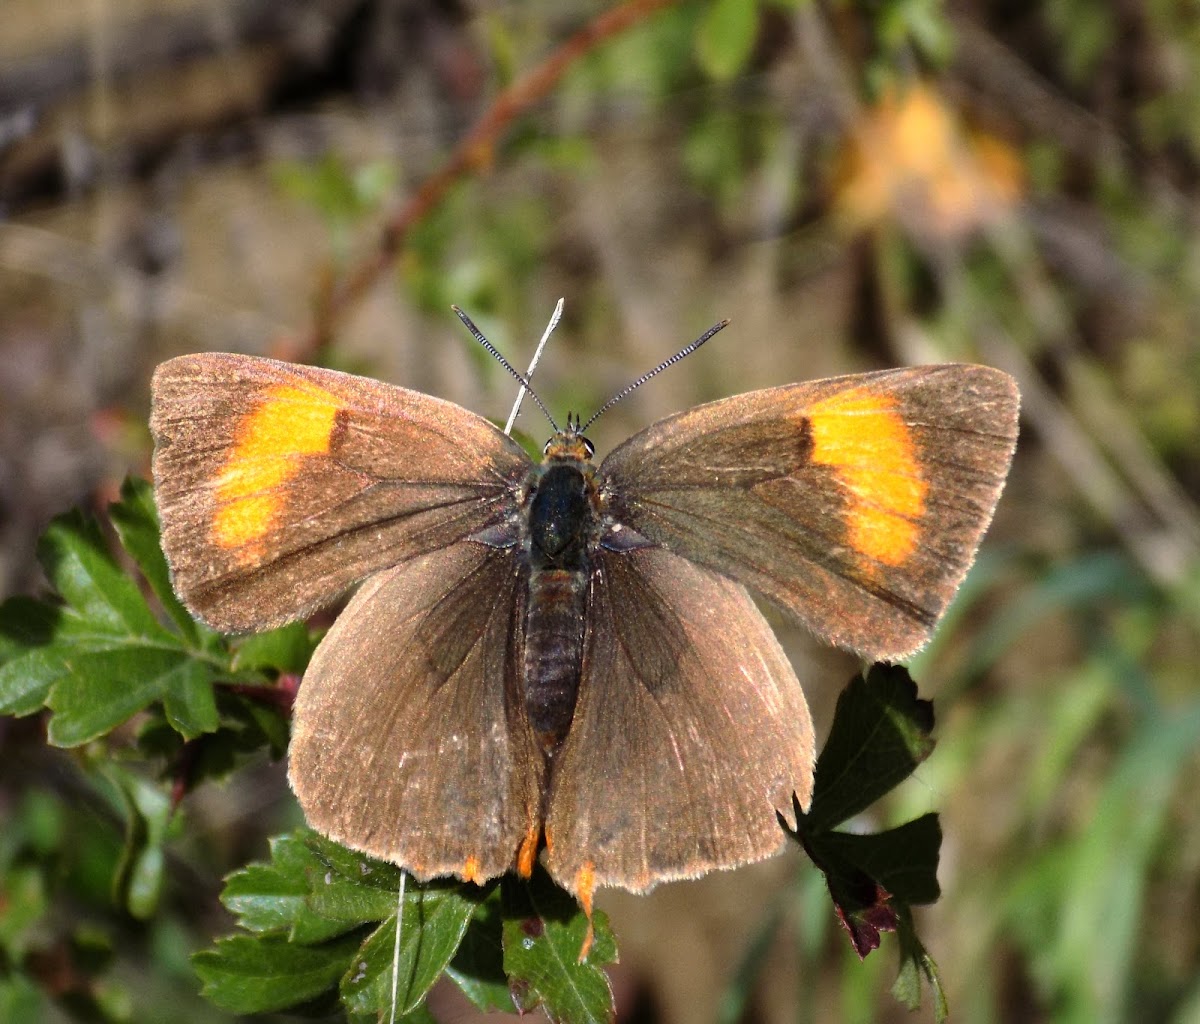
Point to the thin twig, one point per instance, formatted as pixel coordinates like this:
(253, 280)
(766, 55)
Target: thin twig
(475, 151)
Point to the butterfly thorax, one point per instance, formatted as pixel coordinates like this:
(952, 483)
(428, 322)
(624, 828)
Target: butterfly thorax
(562, 526)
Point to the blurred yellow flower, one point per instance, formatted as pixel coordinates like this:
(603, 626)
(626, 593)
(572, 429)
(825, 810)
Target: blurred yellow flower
(911, 159)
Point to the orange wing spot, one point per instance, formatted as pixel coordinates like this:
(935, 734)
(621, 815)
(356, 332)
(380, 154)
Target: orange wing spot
(289, 424)
(527, 852)
(862, 437)
(472, 870)
(585, 888)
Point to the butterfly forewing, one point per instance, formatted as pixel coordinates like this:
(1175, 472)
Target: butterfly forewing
(409, 740)
(855, 503)
(690, 730)
(279, 485)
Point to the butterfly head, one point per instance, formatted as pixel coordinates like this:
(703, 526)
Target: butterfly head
(570, 443)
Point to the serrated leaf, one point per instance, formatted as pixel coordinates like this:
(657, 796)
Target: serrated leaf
(189, 701)
(915, 964)
(340, 899)
(135, 518)
(101, 689)
(103, 656)
(36, 638)
(313, 889)
(903, 860)
(247, 974)
(478, 966)
(544, 933)
(76, 561)
(725, 37)
(274, 898)
(352, 865)
(434, 921)
(27, 679)
(880, 733)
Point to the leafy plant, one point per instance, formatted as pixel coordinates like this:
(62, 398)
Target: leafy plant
(159, 703)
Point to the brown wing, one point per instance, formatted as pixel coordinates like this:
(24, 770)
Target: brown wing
(280, 485)
(689, 732)
(855, 503)
(409, 740)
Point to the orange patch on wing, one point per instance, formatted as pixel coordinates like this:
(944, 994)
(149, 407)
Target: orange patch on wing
(859, 434)
(585, 888)
(471, 871)
(289, 424)
(527, 852)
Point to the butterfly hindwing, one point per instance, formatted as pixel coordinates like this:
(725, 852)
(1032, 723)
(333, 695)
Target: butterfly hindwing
(690, 730)
(279, 485)
(855, 503)
(409, 738)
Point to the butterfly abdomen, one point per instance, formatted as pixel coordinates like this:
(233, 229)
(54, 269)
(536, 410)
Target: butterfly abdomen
(553, 652)
(561, 523)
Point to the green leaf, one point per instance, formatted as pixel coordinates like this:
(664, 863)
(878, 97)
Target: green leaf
(27, 669)
(725, 37)
(314, 889)
(353, 865)
(478, 966)
(340, 899)
(915, 964)
(274, 898)
(903, 860)
(103, 656)
(101, 689)
(871, 878)
(135, 518)
(76, 561)
(146, 808)
(434, 921)
(26, 622)
(544, 933)
(287, 649)
(247, 974)
(880, 733)
(189, 701)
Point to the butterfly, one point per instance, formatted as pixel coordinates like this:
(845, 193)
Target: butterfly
(561, 659)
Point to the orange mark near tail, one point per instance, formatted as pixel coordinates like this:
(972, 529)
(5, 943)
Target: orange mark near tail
(289, 424)
(471, 870)
(527, 852)
(869, 446)
(585, 888)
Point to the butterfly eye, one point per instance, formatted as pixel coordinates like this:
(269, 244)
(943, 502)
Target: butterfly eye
(546, 446)
(588, 447)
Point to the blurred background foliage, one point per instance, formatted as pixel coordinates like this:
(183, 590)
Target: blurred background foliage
(854, 185)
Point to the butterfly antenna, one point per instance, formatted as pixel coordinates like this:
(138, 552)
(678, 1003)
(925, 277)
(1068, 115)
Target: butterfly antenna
(537, 355)
(687, 350)
(477, 334)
